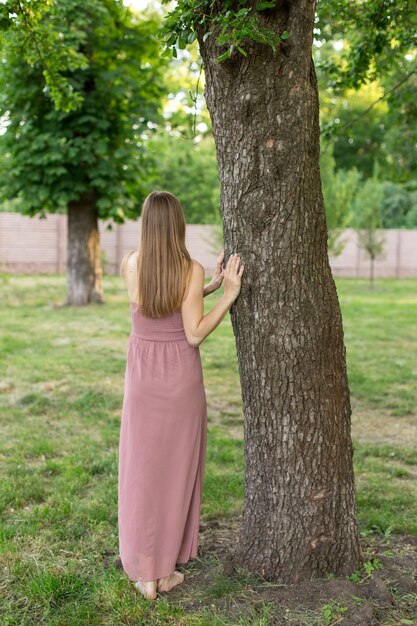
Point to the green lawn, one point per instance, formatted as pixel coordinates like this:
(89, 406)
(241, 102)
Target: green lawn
(61, 392)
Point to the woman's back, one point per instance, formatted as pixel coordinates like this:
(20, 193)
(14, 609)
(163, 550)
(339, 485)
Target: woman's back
(196, 325)
(167, 328)
(132, 277)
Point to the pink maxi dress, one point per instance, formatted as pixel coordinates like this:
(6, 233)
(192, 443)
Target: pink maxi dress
(162, 448)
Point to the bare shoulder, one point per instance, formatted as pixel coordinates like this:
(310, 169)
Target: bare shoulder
(197, 273)
(128, 264)
(131, 275)
(132, 261)
(198, 269)
(195, 278)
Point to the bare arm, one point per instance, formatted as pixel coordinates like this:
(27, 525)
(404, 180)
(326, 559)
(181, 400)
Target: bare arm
(198, 326)
(207, 290)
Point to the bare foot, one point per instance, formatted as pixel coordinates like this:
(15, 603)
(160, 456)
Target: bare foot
(148, 589)
(168, 582)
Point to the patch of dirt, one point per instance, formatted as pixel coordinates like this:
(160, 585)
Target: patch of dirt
(384, 597)
(379, 427)
(226, 412)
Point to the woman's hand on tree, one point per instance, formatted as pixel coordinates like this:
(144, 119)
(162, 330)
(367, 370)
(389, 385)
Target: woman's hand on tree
(232, 277)
(217, 278)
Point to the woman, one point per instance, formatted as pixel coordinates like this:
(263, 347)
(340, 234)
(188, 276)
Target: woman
(164, 416)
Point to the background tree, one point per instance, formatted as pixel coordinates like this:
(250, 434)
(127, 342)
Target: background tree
(88, 158)
(369, 49)
(378, 36)
(189, 170)
(368, 210)
(401, 135)
(339, 190)
(366, 56)
(356, 139)
(399, 205)
(411, 218)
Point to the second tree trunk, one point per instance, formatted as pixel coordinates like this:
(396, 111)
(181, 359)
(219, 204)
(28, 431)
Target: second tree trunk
(84, 272)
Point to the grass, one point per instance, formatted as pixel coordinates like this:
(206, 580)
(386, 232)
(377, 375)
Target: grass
(381, 339)
(61, 393)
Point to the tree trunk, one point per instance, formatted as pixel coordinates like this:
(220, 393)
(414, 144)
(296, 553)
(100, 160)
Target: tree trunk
(299, 518)
(84, 273)
(372, 271)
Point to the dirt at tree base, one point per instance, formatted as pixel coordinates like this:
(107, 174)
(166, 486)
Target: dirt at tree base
(386, 596)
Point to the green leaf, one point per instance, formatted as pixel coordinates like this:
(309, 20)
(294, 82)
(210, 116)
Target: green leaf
(265, 5)
(104, 204)
(226, 55)
(222, 39)
(171, 39)
(284, 35)
(182, 43)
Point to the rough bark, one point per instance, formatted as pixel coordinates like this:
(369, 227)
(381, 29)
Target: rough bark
(299, 518)
(84, 272)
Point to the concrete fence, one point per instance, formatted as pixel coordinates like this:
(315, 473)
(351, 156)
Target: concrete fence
(35, 245)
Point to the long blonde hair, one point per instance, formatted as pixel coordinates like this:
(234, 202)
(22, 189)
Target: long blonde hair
(163, 262)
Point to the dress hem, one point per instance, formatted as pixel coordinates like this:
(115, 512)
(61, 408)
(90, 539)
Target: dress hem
(133, 580)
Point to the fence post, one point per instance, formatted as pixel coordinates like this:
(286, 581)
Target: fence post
(118, 246)
(398, 254)
(358, 252)
(61, 224)
(58, 243)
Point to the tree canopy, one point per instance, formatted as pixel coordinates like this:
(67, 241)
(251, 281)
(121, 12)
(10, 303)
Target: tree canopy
(55, 149)
(365, 55)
